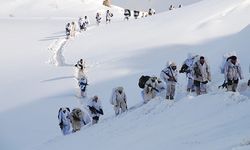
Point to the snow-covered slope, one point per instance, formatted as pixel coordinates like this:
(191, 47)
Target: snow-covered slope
(50, 8)
(117, 54)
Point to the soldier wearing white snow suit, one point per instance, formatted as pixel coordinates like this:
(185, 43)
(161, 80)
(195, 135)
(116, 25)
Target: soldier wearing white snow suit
(98, 18)
(73, 29)
(86, 20)
(77, 119)
(187, 68)
(202, 75)
(119, 100)
(169, 75)
(82, 83)
(64, 120)
(80, 69)
(95, 109)
(150, 89)
(232, 73)
(81, 24)
(108, 16)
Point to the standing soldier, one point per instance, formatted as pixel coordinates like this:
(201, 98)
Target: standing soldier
(95, 109)
(83, 82)
(73, 29)
(98, 18)
(169, 75)
(86, 21)
(108, 16)
(202, 75)
(119, 100)
(187, 68)
(232, 73)
(80, 69)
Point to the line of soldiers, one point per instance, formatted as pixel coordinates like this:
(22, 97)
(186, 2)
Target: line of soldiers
(127, 13)
(83, 23)
(198, 75)
(197, 72)
(172, 7)
(118, 97)
(72, 121)
(71, 28)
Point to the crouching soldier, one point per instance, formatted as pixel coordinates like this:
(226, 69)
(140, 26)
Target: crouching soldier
(64, 120)
(202, 75)
(119, 100)
(169, 75)
(232, 73)
(95, 109)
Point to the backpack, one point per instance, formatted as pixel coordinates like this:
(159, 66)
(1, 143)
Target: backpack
(142, 81)
(184, 68)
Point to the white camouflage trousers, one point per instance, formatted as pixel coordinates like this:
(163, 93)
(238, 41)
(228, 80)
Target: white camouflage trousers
(120, 107)
(170, 89)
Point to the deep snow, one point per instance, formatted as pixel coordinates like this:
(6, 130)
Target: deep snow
(34, 86)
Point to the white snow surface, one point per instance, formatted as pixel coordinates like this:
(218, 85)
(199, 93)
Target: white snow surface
(50, 8)
(37, 78)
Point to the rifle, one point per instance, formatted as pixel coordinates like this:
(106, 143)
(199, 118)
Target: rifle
(224, 85)
(169, 75)
(153, 88)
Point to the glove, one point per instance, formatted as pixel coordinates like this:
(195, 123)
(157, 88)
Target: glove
(61, 125)
(205, 82)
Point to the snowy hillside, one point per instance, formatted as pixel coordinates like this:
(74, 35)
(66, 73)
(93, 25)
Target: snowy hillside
(37, 78)
(49, 8)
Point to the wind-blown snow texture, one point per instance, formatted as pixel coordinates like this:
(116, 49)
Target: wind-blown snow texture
(37, 78)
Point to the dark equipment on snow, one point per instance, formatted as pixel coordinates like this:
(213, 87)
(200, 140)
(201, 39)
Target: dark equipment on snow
(142, 81)
(248, 83)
